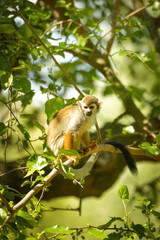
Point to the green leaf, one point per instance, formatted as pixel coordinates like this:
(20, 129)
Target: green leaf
(158, 139)
(49, 154)
(7, 28)
(153, 149)
(145, 202)
(26, 99)
(9, 195)
(116, 236)
(4, 63)
(38, 125)
(139, 229)
(30, 238)
(108, 224)
(128, 129)
(123, 193)
(35, 163)
(156, 214)
(59, 229)
(39, 178)
(66, 169)
(25, 31)
(6, 80)
(21, 84)
(24, 219)
(123, 53)
(27, 182)
(69, 152)
(97, 233)
(156, 5)
(23, 131)
(52, 106)
(3, 128)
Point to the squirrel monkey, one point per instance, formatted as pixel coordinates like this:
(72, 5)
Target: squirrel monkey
(69, 128)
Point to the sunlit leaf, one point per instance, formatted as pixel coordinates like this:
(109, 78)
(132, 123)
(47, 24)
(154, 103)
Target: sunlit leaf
(3, 128)
(7, 28)
(35, 163)
(158, 139)
(38, 125)
(113, 219)
(59, 229)
(23, 131)
(123, 193)
(69, 152)
(21, 84)
(52, 106)
(152, 149)
(24, 219)
(100, 234)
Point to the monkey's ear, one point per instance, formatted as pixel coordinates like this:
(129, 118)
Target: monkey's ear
(99, 103)
(79, 103)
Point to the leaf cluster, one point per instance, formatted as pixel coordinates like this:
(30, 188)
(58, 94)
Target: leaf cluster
(116, 228)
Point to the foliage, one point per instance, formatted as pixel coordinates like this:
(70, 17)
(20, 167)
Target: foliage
(32, 43)
(115, 228)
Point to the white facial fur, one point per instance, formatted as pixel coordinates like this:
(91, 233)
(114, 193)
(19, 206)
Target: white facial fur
(89, 110)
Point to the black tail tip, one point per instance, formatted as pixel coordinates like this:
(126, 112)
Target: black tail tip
(134, 170)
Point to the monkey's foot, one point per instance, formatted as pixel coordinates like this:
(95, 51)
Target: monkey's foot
(73, 158)
(90, 147)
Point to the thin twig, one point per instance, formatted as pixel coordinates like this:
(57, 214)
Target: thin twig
(55, 24)
(13, 170)
(17, 122)
(40, 198)
(136, 54)
(127, 17)
(60, 209)
(112, 36)
(104, 228)
(5, 202)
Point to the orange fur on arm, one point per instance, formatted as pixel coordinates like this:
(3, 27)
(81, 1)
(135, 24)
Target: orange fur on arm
(68, 141)
(85, 139)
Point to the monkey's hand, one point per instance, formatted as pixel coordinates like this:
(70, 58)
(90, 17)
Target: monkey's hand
(84, 150)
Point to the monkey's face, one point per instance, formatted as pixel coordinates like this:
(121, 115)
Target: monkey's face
(89, 110)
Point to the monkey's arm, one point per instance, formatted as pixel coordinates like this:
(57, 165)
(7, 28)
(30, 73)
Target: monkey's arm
(85, 139)
(68, 144)
(128, 157)
(68, 141)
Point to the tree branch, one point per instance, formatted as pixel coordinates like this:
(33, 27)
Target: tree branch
(114, 16)
(82, 172)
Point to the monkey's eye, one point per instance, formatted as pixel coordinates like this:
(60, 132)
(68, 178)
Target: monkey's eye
(85, 107)
(91, 107)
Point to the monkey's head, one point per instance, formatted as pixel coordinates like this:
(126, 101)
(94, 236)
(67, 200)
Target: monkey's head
(90, 105)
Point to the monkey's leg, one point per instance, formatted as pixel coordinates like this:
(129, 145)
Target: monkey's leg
(68, 144)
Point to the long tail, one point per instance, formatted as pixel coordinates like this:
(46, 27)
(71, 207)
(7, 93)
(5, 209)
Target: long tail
(128, 157)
